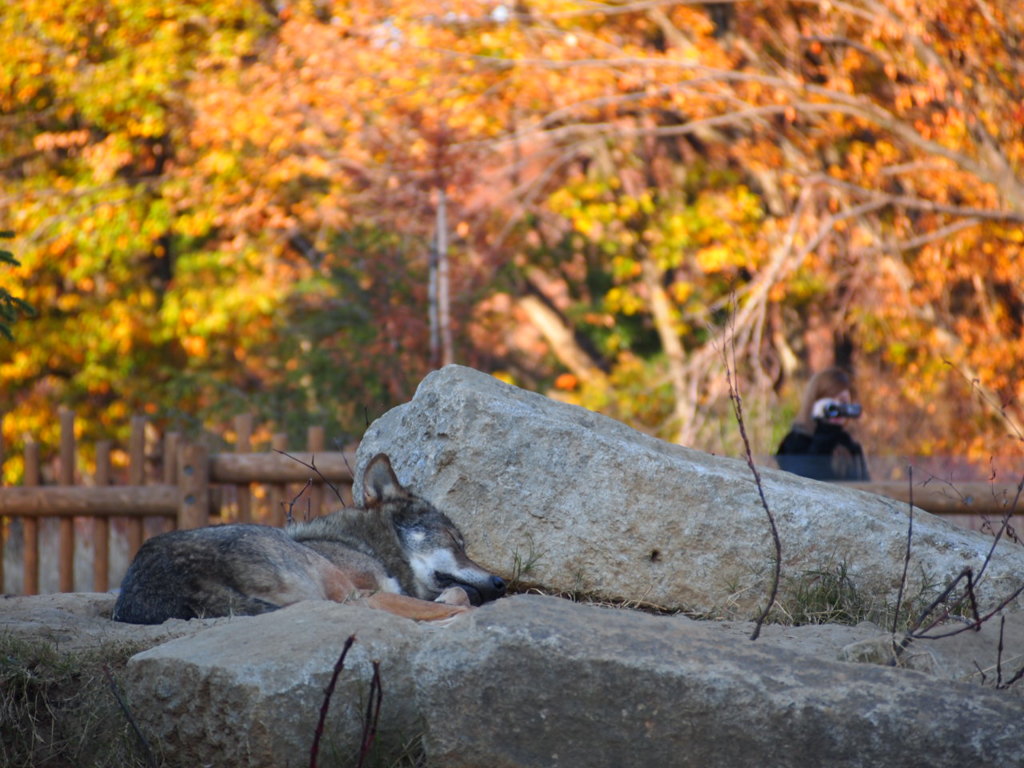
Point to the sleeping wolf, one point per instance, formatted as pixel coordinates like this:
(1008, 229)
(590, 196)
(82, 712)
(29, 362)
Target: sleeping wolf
(396, 552)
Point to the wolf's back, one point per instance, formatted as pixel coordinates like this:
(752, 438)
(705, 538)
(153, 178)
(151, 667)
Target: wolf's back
(158, 582)
(216, 571)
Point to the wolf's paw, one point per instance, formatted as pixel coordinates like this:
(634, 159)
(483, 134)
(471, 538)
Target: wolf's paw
(454, 596)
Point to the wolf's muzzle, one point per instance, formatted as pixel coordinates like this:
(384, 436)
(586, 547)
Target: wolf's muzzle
(480, 592)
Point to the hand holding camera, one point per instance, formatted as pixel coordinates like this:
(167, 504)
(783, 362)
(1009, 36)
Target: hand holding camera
(827, 408)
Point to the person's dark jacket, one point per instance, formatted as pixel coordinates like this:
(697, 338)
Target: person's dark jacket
(827, 454)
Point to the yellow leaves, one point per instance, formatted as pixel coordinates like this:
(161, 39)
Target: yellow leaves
(716, 258)
(61, 243)
(218, 162)
(188, 317)
(68, 302)
(624, 268)
(622, 301)
(680, 291)
(18, 366)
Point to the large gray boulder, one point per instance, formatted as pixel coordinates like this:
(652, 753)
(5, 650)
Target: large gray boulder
(541, 682)
(537, 681)
(248, 692)
(591, 505)
(79, 621)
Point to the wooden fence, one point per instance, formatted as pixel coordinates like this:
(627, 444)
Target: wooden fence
(189, 487)
(975, 499)
(977, 506)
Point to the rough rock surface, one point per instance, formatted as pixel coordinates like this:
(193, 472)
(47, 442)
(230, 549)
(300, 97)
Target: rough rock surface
(539, 682)
(536, 681)
(80, 620)
(249, 691)
(593, 505)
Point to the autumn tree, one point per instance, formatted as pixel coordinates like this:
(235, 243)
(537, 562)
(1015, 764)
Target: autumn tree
(11, 307)
(234, 207)
(880, 141)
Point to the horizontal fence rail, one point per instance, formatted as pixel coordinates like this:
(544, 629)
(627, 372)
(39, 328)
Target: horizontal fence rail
(286, 467)
(940, 498)
(91, 501)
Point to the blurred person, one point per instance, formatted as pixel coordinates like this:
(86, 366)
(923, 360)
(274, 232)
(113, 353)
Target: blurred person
(818, 445)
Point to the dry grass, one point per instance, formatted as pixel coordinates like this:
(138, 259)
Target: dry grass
(60, 709)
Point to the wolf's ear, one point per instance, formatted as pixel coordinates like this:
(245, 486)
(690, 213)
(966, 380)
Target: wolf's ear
(380, 483)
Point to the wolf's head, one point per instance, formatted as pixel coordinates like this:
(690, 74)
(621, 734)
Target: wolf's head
(430, 542)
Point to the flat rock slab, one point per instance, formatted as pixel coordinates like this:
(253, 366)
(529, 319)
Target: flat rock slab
(249, 691)
(540, 681)
(575, 501)
(73, 621)
(572, 685)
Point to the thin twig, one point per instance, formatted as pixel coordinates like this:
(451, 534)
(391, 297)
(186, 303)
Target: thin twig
(919, 629)
(999, 653)
(312, 466)
(737, 407)
(999, 661)
(146, 749)
(372, 718)
(351, 472)
(314, 750)
(974, 625)
(1003, 527)
(288, 516)
(906, 556)
(915, 631)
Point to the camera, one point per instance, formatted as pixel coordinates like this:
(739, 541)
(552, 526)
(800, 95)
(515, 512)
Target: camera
(842, 411)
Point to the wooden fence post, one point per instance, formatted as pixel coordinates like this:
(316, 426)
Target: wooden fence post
(171, 457)
(101, 524)
(193, 486)
(30, 529)
(279, 442)
(66, 563)
(243, 444)
(315, 444)
(136, 531)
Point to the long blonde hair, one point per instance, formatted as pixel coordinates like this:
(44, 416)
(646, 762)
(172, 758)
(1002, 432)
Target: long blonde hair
(827, 383)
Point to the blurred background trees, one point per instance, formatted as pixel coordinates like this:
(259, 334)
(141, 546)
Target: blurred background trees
(229, 207)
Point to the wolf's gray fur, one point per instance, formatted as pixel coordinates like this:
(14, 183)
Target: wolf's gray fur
(395, 542)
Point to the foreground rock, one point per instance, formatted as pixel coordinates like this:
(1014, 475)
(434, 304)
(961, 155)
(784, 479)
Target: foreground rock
(591, 505)
(572, 685)
(535, 681)
(75, 621)
(532, 681)
(249, 692)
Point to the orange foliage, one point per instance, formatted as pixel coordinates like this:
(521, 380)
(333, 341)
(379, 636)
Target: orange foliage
(220, 208)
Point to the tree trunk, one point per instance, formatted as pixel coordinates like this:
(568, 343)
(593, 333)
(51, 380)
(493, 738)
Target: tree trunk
(665, 324)
(560, 338)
